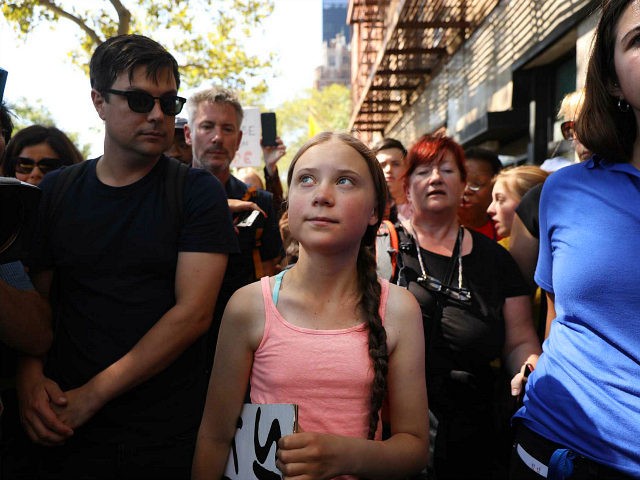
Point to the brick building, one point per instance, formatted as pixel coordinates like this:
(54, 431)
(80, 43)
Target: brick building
(488, 72)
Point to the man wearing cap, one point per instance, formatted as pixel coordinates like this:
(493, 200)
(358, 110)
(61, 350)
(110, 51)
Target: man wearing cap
(179, 148)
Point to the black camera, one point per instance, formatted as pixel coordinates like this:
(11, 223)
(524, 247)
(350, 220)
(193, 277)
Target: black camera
(18, 215)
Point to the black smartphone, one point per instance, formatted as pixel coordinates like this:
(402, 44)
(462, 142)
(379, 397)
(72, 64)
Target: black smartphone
(268, 121)
(3, 82)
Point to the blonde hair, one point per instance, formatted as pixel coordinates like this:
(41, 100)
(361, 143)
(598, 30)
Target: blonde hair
(519, 180)
(571, 106)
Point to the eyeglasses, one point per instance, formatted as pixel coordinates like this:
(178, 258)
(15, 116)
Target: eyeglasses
(568, 130)
(46, 165)
(435, 285)
(143, 102)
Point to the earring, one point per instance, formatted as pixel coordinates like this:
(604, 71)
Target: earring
(623, 106)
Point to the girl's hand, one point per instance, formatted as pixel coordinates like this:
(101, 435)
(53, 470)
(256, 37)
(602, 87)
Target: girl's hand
(310, 456)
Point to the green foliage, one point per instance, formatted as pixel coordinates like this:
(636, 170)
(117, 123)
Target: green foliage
(26, 115)
(207, 41)
(329, 107)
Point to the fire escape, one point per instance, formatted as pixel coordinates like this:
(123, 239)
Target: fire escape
(398, 46)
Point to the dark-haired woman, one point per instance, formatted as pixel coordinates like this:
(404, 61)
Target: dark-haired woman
(326, 334)
(581, 413)
(475, 309)
(37, 150)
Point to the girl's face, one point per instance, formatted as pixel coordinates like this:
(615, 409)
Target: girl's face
(503, 208)
(35, 161)
(331, 197)
(436, 187)
(627, 56)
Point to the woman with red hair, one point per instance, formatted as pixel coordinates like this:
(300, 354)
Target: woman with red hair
(475, 308)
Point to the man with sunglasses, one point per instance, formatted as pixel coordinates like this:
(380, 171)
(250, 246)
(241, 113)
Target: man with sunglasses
(122, 389)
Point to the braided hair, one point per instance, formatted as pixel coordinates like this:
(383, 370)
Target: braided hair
(368, 283)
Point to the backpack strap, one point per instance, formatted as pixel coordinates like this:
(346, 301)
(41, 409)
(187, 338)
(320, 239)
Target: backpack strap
(387, 250)
(174, 180)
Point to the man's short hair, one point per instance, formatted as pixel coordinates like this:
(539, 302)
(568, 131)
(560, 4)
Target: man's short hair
(484, 155)
(214, 95)
(388, 144)
(124, 53)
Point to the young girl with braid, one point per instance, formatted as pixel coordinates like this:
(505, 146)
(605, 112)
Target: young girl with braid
(326, 334)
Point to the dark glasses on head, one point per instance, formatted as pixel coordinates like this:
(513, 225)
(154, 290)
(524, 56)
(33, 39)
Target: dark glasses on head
(46, 165)
(143, 102)
(568, 130)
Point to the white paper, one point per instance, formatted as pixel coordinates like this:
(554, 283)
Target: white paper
(253, 452)
(250, 152)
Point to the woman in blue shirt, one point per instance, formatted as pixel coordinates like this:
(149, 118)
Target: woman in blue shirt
(581, 413)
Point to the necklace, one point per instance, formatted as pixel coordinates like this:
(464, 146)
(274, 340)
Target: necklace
(435, 285)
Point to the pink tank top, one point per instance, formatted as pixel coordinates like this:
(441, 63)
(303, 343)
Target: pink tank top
(327, 373)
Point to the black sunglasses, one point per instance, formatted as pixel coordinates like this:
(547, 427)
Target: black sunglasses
(433, 284)
(46, 165)
(143, 102)
(568, 130)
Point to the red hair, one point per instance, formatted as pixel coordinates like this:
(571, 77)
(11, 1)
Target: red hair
(431, 149)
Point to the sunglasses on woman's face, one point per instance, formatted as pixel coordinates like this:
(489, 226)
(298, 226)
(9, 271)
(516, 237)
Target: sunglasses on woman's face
(568, 130)
(46, 165)
(143, 102)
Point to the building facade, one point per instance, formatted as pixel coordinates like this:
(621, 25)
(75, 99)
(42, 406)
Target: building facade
(336, 64)
(489, 73)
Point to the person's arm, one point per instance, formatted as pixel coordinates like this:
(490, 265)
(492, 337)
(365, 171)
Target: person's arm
(521, 345)
(198, 280)
(551, 312)
(240, 333)
(36, 393)
(272, 181)
(25, 317)
(523, 247)
(315, 455)
(237, 206)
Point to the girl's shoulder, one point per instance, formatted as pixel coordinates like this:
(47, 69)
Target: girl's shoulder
(245, 313)
(403, 316)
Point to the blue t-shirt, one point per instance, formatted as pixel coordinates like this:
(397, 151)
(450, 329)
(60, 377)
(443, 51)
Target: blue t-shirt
(585, 390)
(114, 252)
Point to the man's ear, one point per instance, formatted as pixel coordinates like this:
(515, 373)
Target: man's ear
(98, 102)
(187, 134)
(239, 140)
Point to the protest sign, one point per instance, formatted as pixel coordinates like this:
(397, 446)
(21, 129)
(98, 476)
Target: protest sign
(250, 153)
(253, 451)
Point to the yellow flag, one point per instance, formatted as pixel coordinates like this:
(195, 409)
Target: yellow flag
(313, 127)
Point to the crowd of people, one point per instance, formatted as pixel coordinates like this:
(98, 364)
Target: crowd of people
(163, 290)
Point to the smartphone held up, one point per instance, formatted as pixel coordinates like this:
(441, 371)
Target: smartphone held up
(269, 131)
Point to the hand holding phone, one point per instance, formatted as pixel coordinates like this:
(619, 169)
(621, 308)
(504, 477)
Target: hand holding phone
(249, 219)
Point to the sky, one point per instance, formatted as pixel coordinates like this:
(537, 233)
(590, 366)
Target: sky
(40, 71)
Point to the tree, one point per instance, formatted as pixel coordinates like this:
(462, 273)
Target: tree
(329, 108)
(26, 115)
(177, 24)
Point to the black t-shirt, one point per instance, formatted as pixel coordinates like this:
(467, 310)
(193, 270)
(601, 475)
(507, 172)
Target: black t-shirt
(462, 345)
(529, 208)
(240, 269)
(113, 251)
